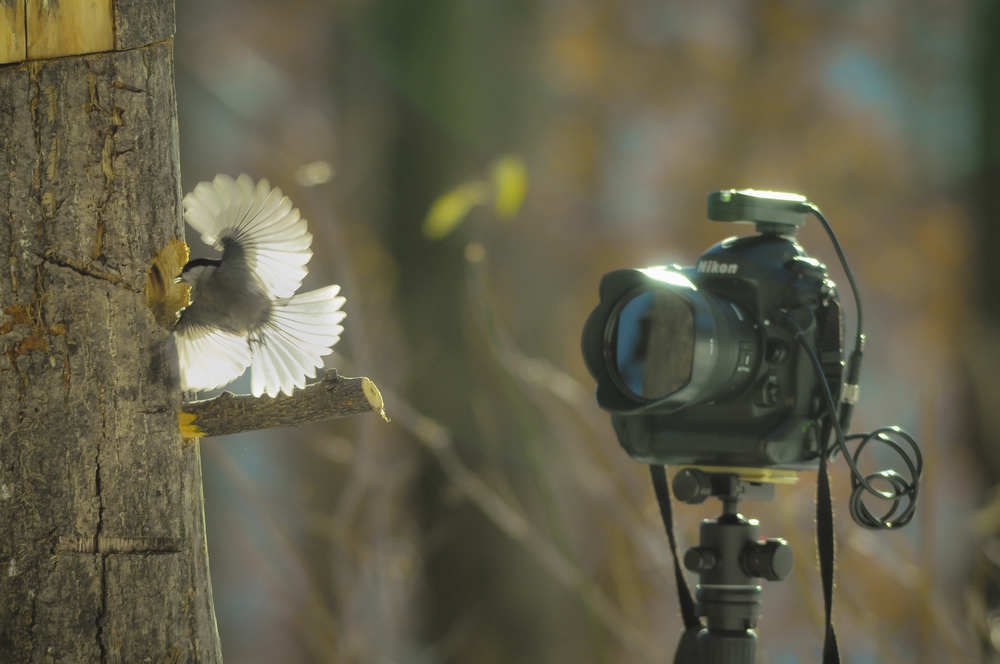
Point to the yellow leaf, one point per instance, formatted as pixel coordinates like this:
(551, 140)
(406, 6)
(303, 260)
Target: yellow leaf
(451, 208)
(510, 179)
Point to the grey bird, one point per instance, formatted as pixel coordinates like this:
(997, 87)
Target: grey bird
(244, 309)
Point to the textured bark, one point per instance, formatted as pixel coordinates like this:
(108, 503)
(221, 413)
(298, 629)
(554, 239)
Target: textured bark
(102, 546)
(328, 399)
(142, 22)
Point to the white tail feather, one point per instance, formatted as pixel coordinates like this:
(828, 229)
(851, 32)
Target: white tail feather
(290, 347)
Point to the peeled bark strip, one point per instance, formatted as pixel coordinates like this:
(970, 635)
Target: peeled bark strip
(330, 398)
(102, 543)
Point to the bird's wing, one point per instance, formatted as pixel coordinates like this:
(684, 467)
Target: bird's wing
(261, 220)
(209, 358)
(290, 346)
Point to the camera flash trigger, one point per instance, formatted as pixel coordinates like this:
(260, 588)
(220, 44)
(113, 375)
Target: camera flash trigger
(773, 212)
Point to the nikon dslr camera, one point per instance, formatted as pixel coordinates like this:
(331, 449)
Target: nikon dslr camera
(708, 365)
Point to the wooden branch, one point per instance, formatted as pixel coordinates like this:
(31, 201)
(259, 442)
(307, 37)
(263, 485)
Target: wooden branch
(330, 398)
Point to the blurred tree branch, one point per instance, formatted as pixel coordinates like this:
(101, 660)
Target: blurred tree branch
(517, 527)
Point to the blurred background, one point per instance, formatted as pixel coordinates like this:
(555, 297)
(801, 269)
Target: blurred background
(495, 518)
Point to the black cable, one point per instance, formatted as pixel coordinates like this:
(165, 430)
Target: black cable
(859, 483)
(859, 511)
(853, 378)
(859, 339)
(901, 488)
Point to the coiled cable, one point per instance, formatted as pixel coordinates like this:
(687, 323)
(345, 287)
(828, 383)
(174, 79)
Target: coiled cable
(902, 488)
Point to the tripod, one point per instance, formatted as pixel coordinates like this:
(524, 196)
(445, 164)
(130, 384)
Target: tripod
(729, 560)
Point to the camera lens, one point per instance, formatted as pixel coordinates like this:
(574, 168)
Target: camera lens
(654, 349)
(675, 345)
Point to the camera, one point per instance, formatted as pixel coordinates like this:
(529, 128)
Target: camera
(735, 366)
(709, 365)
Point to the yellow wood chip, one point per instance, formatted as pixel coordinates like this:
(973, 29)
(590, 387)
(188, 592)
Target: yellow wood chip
(189, 430)
(164, 298)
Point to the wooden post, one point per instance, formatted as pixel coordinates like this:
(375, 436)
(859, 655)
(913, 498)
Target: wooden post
(102, 538)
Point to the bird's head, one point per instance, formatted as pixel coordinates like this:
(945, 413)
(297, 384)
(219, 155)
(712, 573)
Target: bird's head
(196, 271)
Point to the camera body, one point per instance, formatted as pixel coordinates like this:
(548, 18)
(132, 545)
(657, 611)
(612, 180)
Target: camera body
(701, 365)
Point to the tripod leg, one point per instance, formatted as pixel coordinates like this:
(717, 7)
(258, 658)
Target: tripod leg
(717, 647)
(687, 648)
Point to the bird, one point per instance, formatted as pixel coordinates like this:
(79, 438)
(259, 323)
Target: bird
(244, 310)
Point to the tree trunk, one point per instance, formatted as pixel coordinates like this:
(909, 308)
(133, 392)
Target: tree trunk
(102, 539)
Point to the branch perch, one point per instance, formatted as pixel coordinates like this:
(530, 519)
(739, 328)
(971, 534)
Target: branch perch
(330, 398)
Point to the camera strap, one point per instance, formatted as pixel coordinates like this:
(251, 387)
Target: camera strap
(825, 544)
(692, 625)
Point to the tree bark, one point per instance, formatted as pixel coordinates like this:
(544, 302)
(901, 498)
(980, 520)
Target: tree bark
(103, 555)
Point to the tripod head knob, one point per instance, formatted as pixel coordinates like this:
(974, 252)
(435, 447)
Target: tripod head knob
(700, 559)
(693, 486)
(769, 559)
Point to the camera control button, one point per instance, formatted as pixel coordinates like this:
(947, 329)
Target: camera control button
(771, 392)
(744, 363)
(807, 267)
(776, 351)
